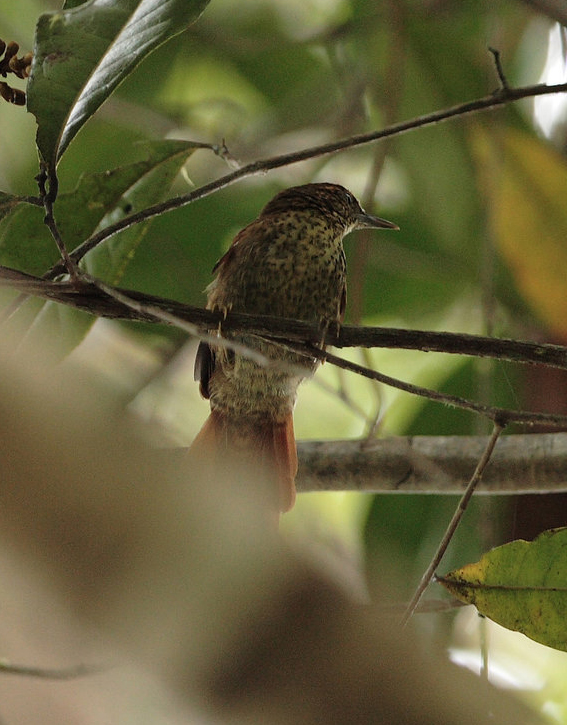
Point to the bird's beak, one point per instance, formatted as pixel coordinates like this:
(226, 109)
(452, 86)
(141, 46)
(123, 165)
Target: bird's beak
(367, 221)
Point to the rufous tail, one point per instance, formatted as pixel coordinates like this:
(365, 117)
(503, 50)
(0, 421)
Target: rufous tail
(265, 448)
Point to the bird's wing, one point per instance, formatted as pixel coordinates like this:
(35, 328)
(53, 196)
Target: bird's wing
(204, 367)
(247, 239)
(342, 303)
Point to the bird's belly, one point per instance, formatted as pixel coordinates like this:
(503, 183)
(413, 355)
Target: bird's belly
(241, 387)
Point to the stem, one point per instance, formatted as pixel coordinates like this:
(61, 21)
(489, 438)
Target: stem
(453, 524)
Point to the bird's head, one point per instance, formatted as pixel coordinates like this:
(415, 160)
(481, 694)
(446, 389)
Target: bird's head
(335, 204)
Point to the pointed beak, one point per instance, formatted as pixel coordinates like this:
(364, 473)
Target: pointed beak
(367, 221)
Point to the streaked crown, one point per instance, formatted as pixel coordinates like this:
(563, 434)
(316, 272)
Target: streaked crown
(331, 201)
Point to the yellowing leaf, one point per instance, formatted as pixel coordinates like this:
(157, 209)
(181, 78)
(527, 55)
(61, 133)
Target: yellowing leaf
(526, 183)
(521, 585)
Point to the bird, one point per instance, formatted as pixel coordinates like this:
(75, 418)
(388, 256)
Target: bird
(289, 262)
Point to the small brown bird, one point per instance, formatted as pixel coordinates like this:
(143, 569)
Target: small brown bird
(289, 262)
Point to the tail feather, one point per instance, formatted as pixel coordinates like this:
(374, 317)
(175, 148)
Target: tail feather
(284, 452)
(265, 448)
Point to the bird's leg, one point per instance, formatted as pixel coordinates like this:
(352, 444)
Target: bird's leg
(323, 329)
(328, 330)
(224, 310)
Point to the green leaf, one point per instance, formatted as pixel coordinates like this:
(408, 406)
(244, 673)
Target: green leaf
(521, 585)
(100, 198)
(110, 259)
(84, 51)
(25, 242)
(9, 203)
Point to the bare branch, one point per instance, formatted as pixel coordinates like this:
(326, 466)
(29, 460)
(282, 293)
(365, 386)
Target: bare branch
(499, 69)
(501, 416)
(86, 296)
(530, 463)
(160, 315)
(500, 97)
(48, 187)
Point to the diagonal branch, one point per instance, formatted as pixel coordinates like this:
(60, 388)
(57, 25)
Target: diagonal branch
(501, 416)
(87, 294)
(454, 523)
(498, 98)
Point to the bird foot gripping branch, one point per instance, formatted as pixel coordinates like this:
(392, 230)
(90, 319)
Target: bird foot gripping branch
(289, 262)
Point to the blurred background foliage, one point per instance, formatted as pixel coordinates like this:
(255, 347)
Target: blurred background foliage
(481, 203)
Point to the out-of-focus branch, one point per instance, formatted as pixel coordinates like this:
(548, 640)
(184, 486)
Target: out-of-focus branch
(534, 463)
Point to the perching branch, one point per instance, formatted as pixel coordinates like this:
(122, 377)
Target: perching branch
(109, 302)
(89, 297)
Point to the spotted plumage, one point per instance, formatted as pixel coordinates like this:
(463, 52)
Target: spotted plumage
(289, 262)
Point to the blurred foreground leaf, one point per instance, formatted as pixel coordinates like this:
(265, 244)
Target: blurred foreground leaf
(521, 585)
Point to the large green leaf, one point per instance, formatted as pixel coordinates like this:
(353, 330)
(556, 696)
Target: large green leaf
(521, 585)
(98, 200)
(109, 260)
(84, 51)
(25, 242)
(9, 203)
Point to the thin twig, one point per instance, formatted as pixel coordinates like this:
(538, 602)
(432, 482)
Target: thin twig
(453, 524)
(45, 673)
(501, 415)
(494, 100)
(171, 319)
(342, 394)
(499, 70)
(48, 186)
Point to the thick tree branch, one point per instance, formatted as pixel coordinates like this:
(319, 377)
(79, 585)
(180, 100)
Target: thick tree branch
(521, 464)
